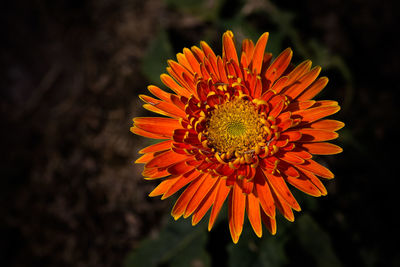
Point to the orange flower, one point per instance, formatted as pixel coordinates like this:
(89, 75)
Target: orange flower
(238, 128)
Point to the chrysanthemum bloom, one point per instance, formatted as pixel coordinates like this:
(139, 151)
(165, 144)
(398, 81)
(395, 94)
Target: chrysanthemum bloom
(240, 128)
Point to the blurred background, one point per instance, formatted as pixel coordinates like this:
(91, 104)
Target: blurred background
(71, 72)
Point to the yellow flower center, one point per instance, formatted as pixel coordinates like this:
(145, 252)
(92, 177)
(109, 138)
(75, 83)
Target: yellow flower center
(234, 126)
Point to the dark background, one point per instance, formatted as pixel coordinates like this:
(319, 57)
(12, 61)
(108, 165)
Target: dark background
(71, 72)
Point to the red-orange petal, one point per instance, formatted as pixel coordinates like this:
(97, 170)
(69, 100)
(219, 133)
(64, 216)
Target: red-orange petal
(173, 85)
(203, 190)
(161, 94)
(263, 193)
(144, 133)
(299, 71)
(279, 65)
(269, 222)
(280, 188)
(317, 182)
(253, 213)
(322, 148)
(316, 135)
(223, 191)
(180, 205)
(313, 114)
(165, 159)
(301, 84)
(329, 125)
(305, 185)
(228, 46)
(181, 182)
(247, 49)
(314, 89)
(194, 64)
(164, 145)
(157, 125)
(205, 204)
(316, 168)
(238, 206)
(154, 173)
(180, 167)
(163, 186)
(258, 54)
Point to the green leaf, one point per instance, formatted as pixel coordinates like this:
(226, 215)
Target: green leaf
(255, 252)
(179, 244)
(155, 60)
(316, 242)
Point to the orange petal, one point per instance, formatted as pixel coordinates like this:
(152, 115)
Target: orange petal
(315, 135)
(313, 114)
(180, 167)
(317, 182)
(182, 60)
(276, 109)
(221, 70)
(299, 105)
(283, 207)
(223, 191)
(279, 65)
(157, 125)
(279, 85)
(164, 145)
(269, 222)
(165, 159)
(181, 182)
(258, 54)
(161, 107)
(263, 193)
(207, 50)
(291, 135)
(205, 204)
(141, 132)
(291, 158)
(253, 212)
(182, 202)
(203, 190)
(301, 84)
(161, 94)
(299, 71)
(228, 46)
(147, 157)
(279, 186)
(154, 173)
(314, 167)
(322, 148)
(163, 186)
(305, 185)
(194, 64)
(174, 86)
(329, 125)
(235, 237)
(237, 206)
(314, 89)
(198, 53)
(178, 70)
(247, 49)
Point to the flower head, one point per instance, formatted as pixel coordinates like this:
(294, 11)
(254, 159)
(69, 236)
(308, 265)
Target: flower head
(240, 128)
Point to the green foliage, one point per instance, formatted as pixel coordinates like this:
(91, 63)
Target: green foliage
(157, 54)
(178, 243)
(254, 252)
(316, 242)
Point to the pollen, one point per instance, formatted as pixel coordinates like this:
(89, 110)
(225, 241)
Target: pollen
(235, 127)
